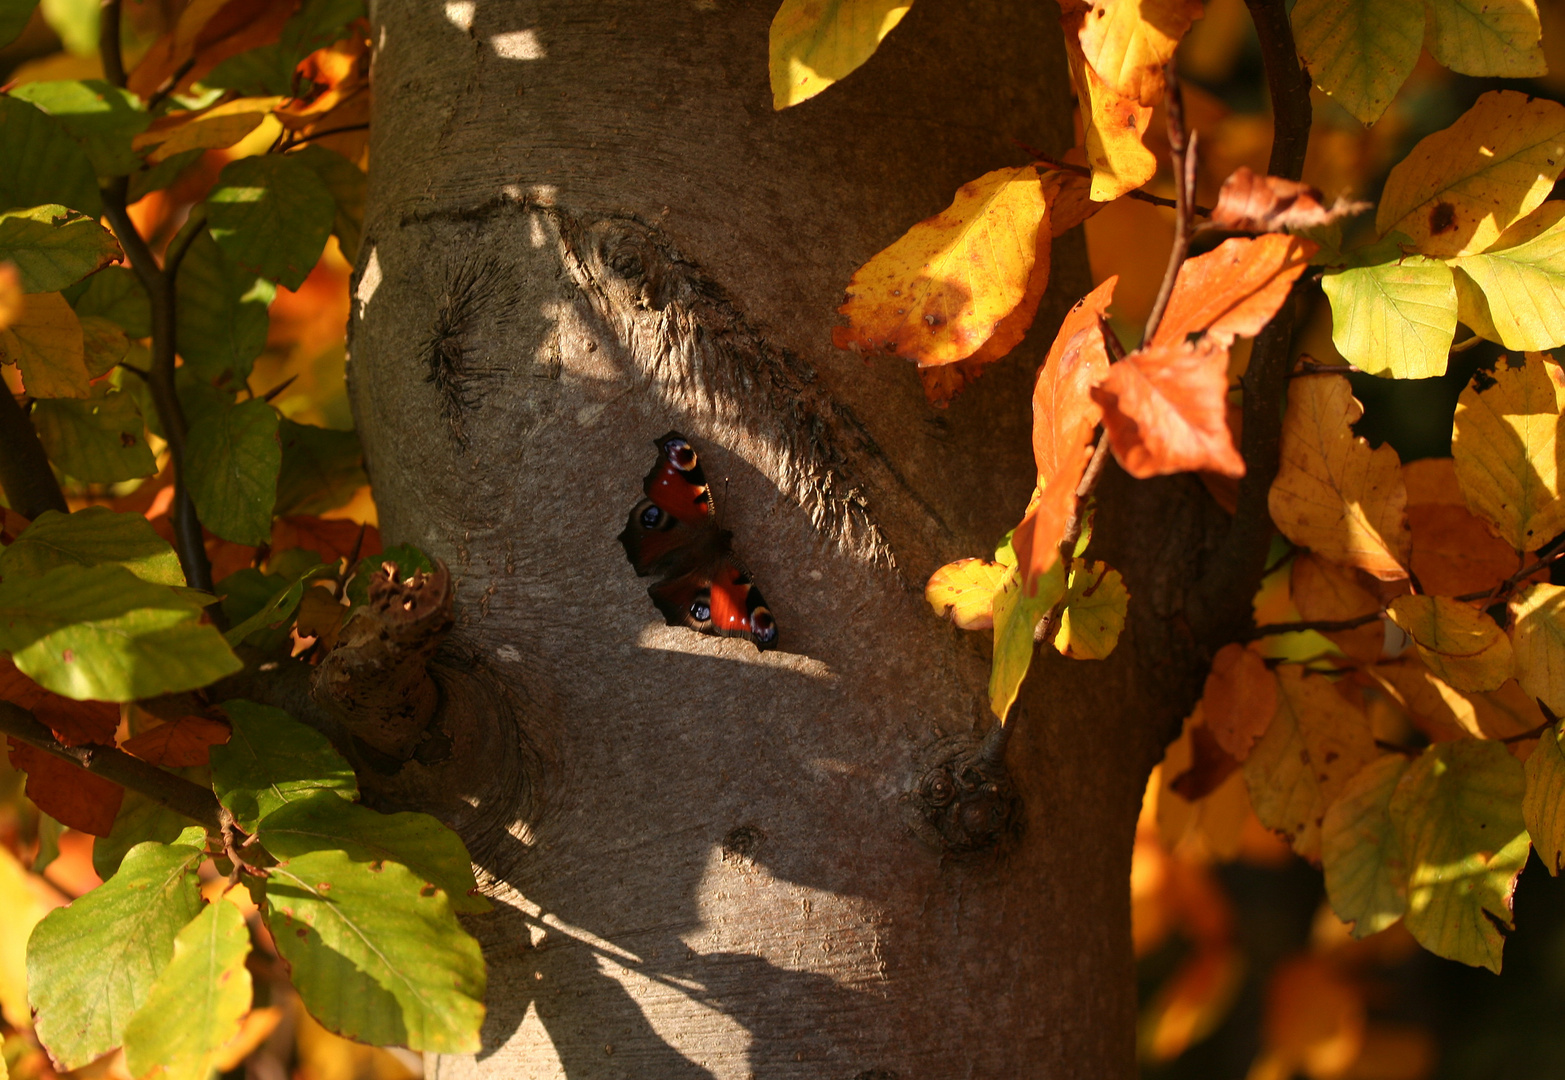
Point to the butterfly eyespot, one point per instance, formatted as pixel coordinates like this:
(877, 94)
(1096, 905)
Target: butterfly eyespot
(681, 454)
(701, 611)
(650, 517)
(762, 626)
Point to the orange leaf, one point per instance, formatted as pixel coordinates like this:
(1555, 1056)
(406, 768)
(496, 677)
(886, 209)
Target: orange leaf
(1233, 290)
(1328, 591)
(1333, 494)
(1454, 550)
(1315, 1017)
(1239, 699)
(330, 538)
(1210, 765)
(66, 791)
(1064, 417)
(74, 723)
(182, 743)
(1250, 202)
(941, 291)
(1165, 410)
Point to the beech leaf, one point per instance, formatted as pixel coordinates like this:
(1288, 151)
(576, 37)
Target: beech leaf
(271, 215)
(1460, 188)
(271, 760)
(1366, 874)
(1165, 410)
(45, 342)
(54, 247)
(1454, 551)
(1538, 640)
(1520, 282)
(102, 118)
(1233, 290)
(941, 291)
(1127, 42)
(814, 43)
(220, 320)
(1458, 816)
(963, 591)
(1543, 805)
(232, 460)
(1094, 612)
(180, 743)
(92, 536)
(1487, 38)
(1251, 202)
(1333, 494)
(1505, 442)
(43, 164)
(1459, 643)
(1394, 319)
(74, 723)
(208, 129)
(101, 439)
(1328, 591)
(1239, 699)
(1360, 53)
(1113, 126)
(1016, 615)
(67, 792)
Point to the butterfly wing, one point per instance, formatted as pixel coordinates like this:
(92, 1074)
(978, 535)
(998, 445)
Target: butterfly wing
(677, 484)
(718, 600)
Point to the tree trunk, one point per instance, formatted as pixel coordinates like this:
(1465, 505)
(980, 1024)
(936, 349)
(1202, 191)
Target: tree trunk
(586, 227)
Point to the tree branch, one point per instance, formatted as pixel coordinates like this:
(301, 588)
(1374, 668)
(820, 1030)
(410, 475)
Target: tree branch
(1323, 626)
(1289, 84)
(25, 476)
(1182, 153)
(164, 788)
(109, 43)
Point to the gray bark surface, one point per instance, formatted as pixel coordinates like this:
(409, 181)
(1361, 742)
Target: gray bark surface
(587, 226)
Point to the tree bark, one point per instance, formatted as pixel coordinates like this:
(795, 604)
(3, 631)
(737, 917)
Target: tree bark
(587, 226)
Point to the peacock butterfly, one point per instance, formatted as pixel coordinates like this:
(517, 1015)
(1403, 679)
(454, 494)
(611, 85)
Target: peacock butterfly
(673, 534)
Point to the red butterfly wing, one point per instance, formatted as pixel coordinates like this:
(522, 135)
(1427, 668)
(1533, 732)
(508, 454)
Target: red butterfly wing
(677, 484)
(721, 602)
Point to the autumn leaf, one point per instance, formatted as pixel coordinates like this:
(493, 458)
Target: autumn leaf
(1459, 643)
(814, 43)
(1443, 712)
(67, 792)
(1165, 410)
(1233, 290)
(1113, 126)
(963, 592)
(1333, 494)
(942, 290)
(1505, 445)
(1394, 316)
(180, 743)
(1460, 188)
(1538, 642)
(330, 538)
(1359, 53)
(1251, 202)
(1327, 591)
(1069, 196)
(45, 341)
(1493, 38)
(1454, 551)
(74, 723)
(1366, 876)
(1094, 611)
(1543, 804)
(1127, 42)
(1210, 765)
(1316, 743)
(1517, 285)
(1015, 616)
(213, 128)
(1239, 699)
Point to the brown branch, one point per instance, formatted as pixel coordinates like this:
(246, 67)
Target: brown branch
(1534, 733)
(109, 43)
(329, 131)
(25, 476)
(1040, 158)
(164, 788)
(1182, 152)
(1289, 84)
(169, 85)
(1323, 626)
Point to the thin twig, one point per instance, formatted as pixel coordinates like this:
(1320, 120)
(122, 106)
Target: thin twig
(1533, 733)
(1040, 158)
(109, 43)
(164, 788)
(1323, 626)
(169, 85)
(1311, 367)
(1550, 556)
(328, 131)
(1044, 631)
(1182, 152)
(25, 476)
(1467, 343)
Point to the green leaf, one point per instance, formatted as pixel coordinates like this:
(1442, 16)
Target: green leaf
(325, 822)
(377, 954)
(197, 1003)
(140, 820)
(100, 633)
(115, 294)
(272, 214)
(1543, 805)
(43, 165)
(272, 760)
(91, 965)
(145, 181)
(1396, 318)
(1366, 877)
(1458, 817)
(1522, 279)
(231, 464)
(221, 313)
(321, 468)
(347, 184)
(1360, 53)
(1487, 38)
(103, 118)
(75, 21)
(1015, 617)
(14, 17)
(280, 607)
(1094, 612)
(103, 345)
(54, 247)
(101, 440)
(92, 536)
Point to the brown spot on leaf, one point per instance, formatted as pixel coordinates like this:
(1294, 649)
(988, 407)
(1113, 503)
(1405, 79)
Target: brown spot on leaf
(1442, 218)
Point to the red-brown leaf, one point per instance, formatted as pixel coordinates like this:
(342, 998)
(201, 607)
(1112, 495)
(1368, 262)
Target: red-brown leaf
(1233, 290)
(1250, 202)
(1165, 410)
(331, 538)
(74, 723)
(1239, 699)
(67, 792)
(180, 743)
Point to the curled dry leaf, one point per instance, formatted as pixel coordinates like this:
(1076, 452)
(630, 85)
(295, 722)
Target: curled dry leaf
(1234, 289)
(1454, 551)
(1064, 418)
(1333, 494)
(1239, 699)
(943, 289)
(963, 592)
(1070, 200)
(1250, 202)
(1459, 189)
(1505, 442)
(1127, 42)
(1459, 643)
(1165, 410)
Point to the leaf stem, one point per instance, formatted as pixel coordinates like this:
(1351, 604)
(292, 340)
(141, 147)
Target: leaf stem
(164, 788)
(25, 476)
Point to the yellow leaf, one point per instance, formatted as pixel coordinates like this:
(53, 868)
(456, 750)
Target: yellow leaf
(1112, 127)
(219, 126)
(941, 291)
(1538, 638)
(1459, 643)
(963, 592)
(1366, 877)
(1522, 281)
(1094, 612)
(1317, 741)
(1015, 617)
(816, 42)
(46, 343)
(1360, 53)
(1543, 806)
(1494, 38)
(1460, 188)
(1443, 712)
(1127, 42)
(1333, 494)
(1505, 443)
(25, 898)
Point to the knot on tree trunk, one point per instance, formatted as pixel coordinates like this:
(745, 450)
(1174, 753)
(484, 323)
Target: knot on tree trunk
(964, 802)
